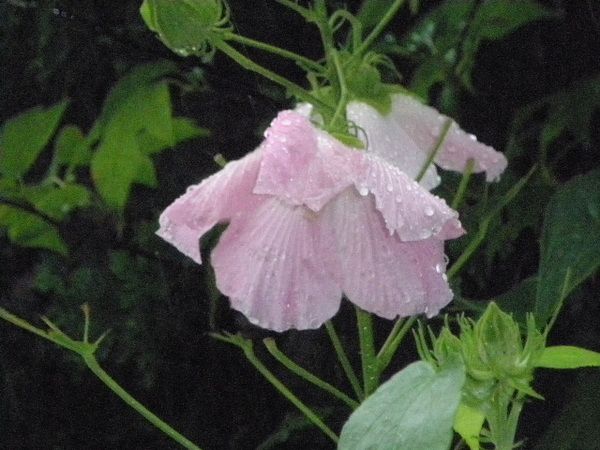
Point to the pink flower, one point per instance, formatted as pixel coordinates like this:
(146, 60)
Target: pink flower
(310, 219)
(406, 136)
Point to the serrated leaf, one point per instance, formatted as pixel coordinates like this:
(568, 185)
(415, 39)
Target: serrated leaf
(29, 230)
(413, 410)
(25, 136)
(568, 357)
(72, 148)
(570, 242)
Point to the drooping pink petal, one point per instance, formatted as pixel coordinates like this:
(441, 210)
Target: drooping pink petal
(424, 125)
(218, 198)
(380, 273)
(279, 267)
(303, 165)
(386, 137)
(407, 207)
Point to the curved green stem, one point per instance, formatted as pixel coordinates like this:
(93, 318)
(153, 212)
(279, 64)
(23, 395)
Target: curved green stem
(393, 341)
(308, 376)
(374, 34)
(436, 149)
(462, 187)
(86, 350)
(248, 64)
(229, 36)
(93, 365)
(344, 361)
(370, 369)
(340, 111)
(247, 348)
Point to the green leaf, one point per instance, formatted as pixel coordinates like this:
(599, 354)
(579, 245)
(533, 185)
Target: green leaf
(183, 129)
(72, 148)
(414, 410)
(116, 165)
(25, 136)
(568, 357)
(570, 242)
(30, 230)
(371, 12)
(520, 300)
(57, 202)
(468, 423)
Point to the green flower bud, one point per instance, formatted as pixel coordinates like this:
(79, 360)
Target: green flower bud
(187, 26)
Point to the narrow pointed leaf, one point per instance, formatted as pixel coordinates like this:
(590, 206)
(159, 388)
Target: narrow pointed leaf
(568, 357)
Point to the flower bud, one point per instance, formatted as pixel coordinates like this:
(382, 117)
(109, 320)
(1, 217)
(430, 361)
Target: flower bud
(186, 26)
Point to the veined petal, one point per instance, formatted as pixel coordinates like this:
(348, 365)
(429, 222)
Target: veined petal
(424, 125)
(386, 137)
(380, 273)
(406, 206)
(303, 165)
(279, 267)
(218, 198)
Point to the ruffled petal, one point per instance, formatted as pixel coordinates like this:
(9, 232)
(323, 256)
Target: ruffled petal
(279, 267)
(219, 198)
(386, 137)
(303, 165)
(407, 207)
(380, 273)
(424, 125)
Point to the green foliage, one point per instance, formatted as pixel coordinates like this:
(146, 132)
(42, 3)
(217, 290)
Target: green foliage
(414, 409)
(30, 230)
(568, 357)
(468, 423)
(24, 137)
(445, 43)
(136, 122)
(570, 242)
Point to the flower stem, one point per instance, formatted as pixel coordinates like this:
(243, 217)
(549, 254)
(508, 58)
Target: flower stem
(86, 350)
(370, 369)
(344, 361)
(247, 348)
(93, 365)
(374, 34)
(462, 187)
(343, 99)
(436, 149)
(229, 36)
(308, 376)
(393, 341)
(292, 87)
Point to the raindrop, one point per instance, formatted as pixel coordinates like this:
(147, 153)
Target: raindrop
(287, 123)
(429, 211)
(424, 234)
(389, 187)
(472, 137)
(398, 199)
(363, 190)
(444, 277)
(438, 268)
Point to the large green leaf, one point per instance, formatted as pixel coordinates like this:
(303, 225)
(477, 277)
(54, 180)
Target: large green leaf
(414, 410)
(57, 202)
(570, 243)
(71, 147)
(30, 230)
(25, 136)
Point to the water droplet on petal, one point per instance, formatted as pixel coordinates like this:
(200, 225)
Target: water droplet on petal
(444, 277)
(389, 187)
(472, 137)
(286, 122)
(438, 268)
(363, 190)
(429, 211)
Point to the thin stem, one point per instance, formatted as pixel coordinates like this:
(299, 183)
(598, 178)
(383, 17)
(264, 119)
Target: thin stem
(395, 338)
(436, 148)
(248, 64)
(309, 413)
(229, 36)
(374, 34)
(341, 106)
(344, 361)
(462, 187)
(370, 369)
(93, 365)
(308, 376)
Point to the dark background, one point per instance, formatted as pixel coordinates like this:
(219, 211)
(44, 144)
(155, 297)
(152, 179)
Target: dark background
(159, 305)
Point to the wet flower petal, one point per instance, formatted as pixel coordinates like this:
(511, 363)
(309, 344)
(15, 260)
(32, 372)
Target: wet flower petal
(380, 273)
(219, 198)
(303, 165)
(279, 267)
